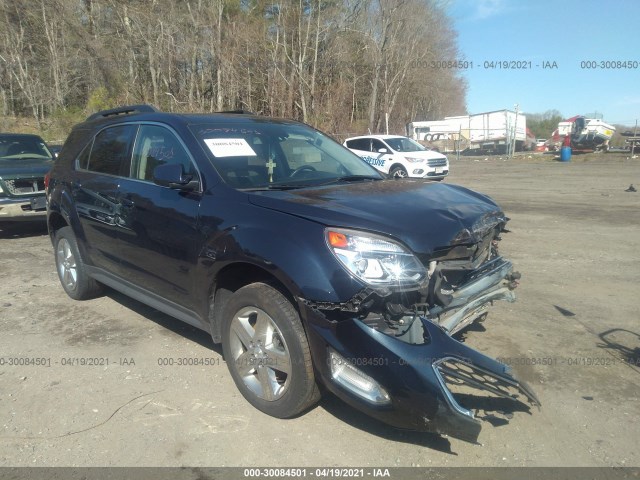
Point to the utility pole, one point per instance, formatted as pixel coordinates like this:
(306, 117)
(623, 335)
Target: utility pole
(507, 133)
(515, 132)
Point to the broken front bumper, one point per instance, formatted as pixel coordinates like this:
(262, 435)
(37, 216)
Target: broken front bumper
(495, 280)
(417, 375)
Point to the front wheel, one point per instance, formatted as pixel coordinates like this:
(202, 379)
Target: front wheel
(398, 172)
(267, 352)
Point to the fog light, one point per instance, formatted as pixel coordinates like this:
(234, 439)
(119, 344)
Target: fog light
(345, 374)
(418, 172)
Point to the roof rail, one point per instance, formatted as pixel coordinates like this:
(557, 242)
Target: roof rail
(122, 111)
(238, 112)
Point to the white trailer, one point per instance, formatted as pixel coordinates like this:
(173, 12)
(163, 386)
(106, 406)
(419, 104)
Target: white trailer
(497, 130)
(497, 127)
(437, 129)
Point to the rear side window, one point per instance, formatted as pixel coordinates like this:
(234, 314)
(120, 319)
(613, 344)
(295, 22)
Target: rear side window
(359, 144)
(83, 158)
(111, 150)
(158, 146)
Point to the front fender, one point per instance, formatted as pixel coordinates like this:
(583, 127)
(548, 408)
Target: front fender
(305, 266)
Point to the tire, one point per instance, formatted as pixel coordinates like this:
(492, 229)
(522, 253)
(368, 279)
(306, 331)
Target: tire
(71, 269)
(267, 352)
(398, 172)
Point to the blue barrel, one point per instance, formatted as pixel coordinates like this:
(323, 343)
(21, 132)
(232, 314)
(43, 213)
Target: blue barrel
(565, 154)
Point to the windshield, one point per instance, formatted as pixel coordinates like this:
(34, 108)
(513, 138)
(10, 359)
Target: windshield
(257, 155)
(404, 144)
(23, 146)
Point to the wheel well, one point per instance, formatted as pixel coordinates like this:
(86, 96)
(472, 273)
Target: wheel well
(397, 165)
(232, 278)
(56, 222)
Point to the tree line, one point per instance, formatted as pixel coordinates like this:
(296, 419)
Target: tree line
(341, 65)
(542, 125)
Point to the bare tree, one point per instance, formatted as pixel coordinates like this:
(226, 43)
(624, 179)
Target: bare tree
(341, 65)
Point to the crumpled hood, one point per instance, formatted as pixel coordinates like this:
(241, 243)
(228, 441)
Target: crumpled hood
(11, 168)
(423, 215)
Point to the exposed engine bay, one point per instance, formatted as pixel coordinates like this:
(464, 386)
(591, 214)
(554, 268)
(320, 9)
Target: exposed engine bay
(463, 279)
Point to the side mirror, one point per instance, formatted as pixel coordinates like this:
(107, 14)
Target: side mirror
(172, 176)
(383, 150)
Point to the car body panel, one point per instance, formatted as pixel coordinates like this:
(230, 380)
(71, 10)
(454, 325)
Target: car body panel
(95, 202)
(159, 238)
(423, 215)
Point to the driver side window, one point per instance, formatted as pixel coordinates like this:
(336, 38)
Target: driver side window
(376, 145)
(158, 146)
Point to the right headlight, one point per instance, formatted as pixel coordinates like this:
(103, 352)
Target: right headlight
(374, 259)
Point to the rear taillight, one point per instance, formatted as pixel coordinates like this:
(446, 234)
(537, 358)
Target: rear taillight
(47, 178)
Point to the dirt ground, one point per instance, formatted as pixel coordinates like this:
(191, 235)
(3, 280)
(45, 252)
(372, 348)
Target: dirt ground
(573, 334)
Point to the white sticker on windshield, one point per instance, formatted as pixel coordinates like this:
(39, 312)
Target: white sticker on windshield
(229, 147)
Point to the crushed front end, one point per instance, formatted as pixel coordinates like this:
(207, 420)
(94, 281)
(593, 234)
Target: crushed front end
(452, 285)
(416, 378)
(388, 350)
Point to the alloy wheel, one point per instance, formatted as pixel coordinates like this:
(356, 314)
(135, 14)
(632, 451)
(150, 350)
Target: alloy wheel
(260, 353)
(67, 267)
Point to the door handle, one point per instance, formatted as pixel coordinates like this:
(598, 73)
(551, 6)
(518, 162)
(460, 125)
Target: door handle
(126, 203)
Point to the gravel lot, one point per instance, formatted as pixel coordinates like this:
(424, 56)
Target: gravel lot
(573, 334)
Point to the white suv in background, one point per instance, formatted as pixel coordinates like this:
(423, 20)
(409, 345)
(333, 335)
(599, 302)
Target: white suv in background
(399, 156)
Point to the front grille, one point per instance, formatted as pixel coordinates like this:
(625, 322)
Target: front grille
(465, 382)
(437, 162)
(25, 186)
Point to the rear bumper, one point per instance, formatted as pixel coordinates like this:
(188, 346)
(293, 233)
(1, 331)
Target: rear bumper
(415, 375)
(12, 209)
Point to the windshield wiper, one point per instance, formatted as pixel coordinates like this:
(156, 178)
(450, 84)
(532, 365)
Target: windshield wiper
(275, 186)
(293, 186)
(351, 178)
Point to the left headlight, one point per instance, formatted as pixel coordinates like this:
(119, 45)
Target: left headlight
(374, 259)
(414, 160)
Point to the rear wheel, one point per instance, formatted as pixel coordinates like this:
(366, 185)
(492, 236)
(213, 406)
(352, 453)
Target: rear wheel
(71, 269)
(267, 352)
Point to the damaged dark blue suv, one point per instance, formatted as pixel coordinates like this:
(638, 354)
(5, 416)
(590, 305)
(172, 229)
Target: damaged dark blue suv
(311, 268)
